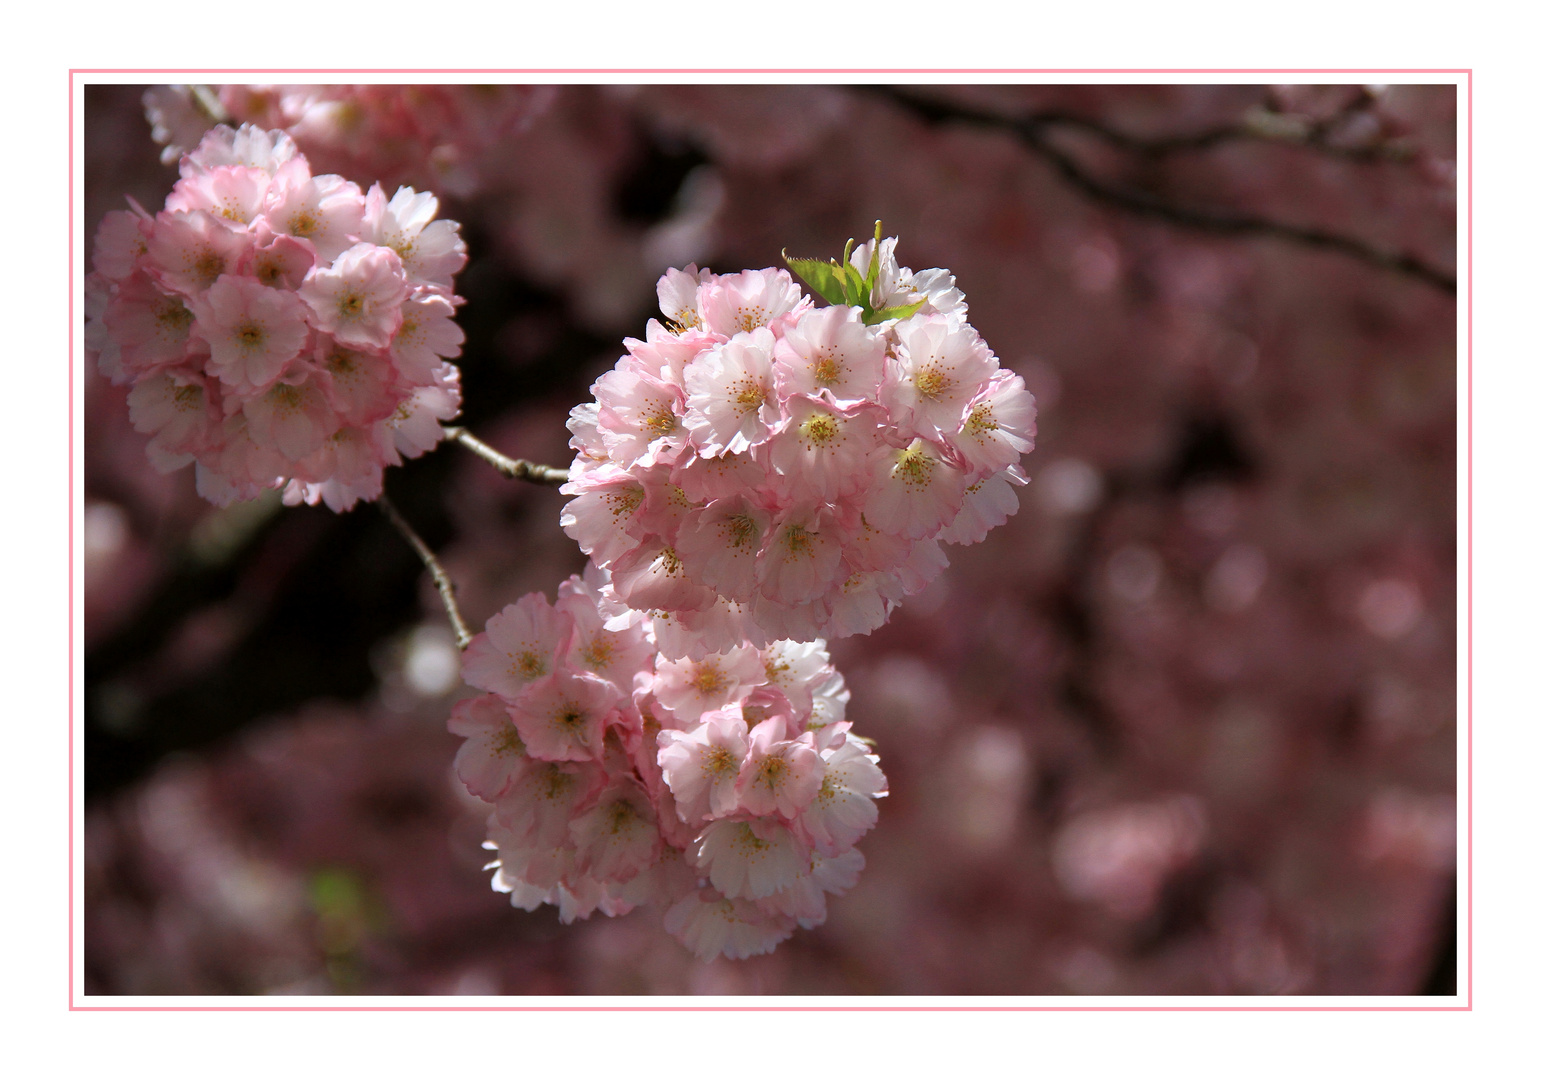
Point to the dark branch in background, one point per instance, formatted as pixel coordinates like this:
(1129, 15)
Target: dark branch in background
(1259, 124)
(1034, 131)
(441, 579)
(513, 468)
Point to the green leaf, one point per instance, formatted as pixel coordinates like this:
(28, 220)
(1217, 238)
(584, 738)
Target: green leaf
(872, 318)
(857, 292)
(872, 263)
(824, 278)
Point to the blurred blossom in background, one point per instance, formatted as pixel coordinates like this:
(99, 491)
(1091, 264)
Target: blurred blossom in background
(1184, 725)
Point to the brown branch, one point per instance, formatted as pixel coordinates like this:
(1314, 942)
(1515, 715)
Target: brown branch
(513, 468)
(1259, 124)
(441, 579)
(206, 100)
(1034, 133)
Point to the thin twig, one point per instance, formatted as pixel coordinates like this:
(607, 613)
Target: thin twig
(513, 468)
(1033, 132)
(207, 101)
(1260, 124)
(441, 579)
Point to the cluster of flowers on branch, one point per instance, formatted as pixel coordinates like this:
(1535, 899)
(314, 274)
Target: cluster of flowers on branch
(281, 329)
(760, 468)
(727, 789)
(446, 135)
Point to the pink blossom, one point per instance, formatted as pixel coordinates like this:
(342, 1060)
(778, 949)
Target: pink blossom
(599, 519)
(831, 354)
(562, 717)
(292, 417)
(940, 368)
(914, 492)
(779, 775)
(430, 251)
(745, 302)
(179, 412)
(720, 543)
(822, 453)
(617, 839)
(621, 777)
(689, 688)
(277, 260)
(428, 334)
(358, 298)
(716, 926)
(120, 242)
(702, 766)
(188, 251)
(842, 808)
(750, 858)
(235, 193)
(324, 211)
(252, 331)
(416, 425)
(732, 400)
(986, 504)
(832, 454)
(652, 576)
(522, 643)
(327, 353)
(801, 559)
(151, 327)
(493, 755)
(639, 417)
(999, 425)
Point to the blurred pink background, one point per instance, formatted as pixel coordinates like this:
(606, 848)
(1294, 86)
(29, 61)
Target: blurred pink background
(1185, 725)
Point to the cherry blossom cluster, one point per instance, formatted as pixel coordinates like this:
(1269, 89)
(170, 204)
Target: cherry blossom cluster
(726, 789)
(278, 328)
(444, 135)
(760, 468)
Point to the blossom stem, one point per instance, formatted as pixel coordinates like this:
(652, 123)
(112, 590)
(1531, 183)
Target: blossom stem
(441, 579)
(513, 468)
(207, 100)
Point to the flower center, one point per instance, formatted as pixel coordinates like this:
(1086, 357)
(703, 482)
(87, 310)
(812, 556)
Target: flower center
(931, 382)
(570, 716)
(820, 429)
(915, 467)
(659, 420)
(718, 761)
(622, 814)
(980, 421)
(750, 396)
(623, 503)
(742, 531)
(508, 742)
(286, 399)
(555, 783)
(752, 318)
(208, 267)
(342, 363)
(671, 562)
(598, 653)
(529, 664)
(798, 541)
(772, 772)
(173, 315)
(709, 679)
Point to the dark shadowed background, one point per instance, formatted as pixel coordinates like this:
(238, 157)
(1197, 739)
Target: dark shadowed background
(1185, 725)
